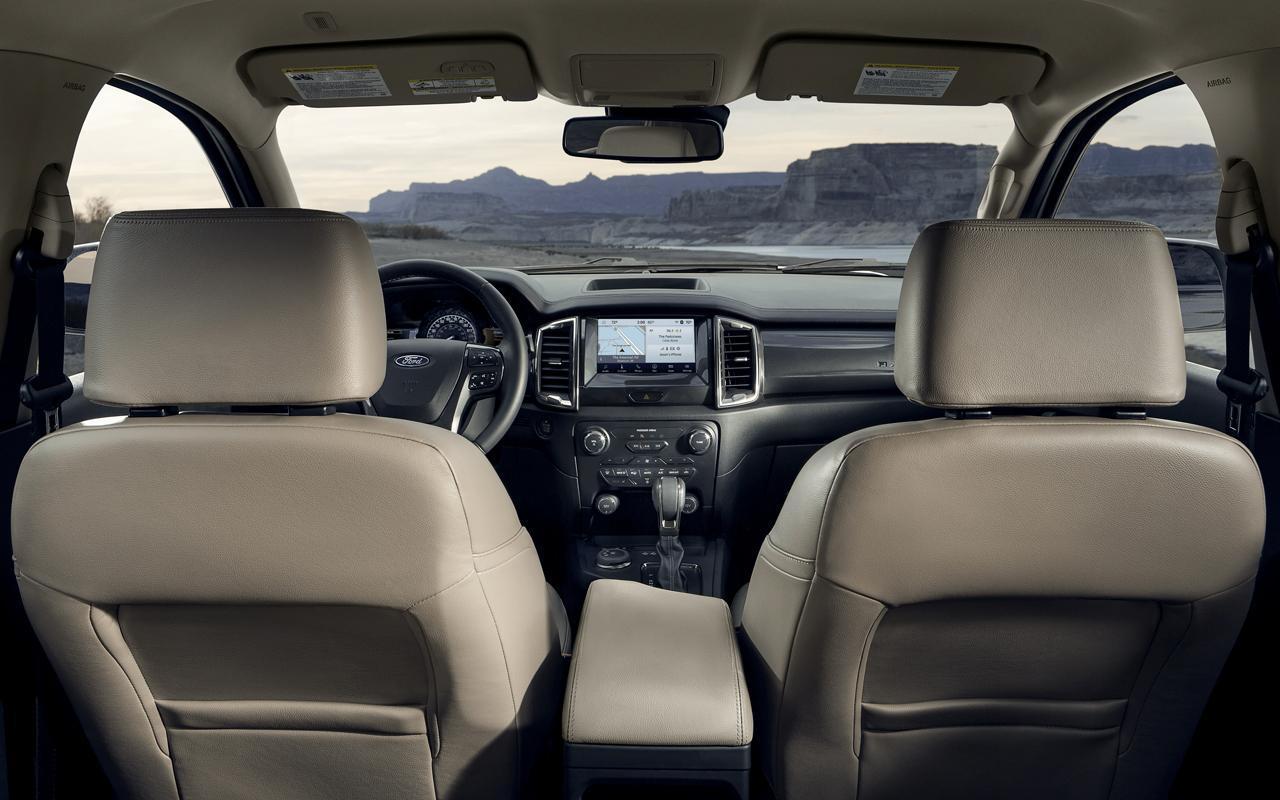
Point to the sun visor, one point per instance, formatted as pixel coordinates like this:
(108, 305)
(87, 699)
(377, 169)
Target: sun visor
(403, 73)
(849, 71)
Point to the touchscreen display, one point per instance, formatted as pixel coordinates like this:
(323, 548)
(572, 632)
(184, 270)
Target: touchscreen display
(645, 346)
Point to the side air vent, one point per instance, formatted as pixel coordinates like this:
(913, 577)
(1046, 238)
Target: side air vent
(739, 363)
(556, 364)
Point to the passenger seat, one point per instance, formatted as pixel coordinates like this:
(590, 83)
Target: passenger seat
(1009, 604)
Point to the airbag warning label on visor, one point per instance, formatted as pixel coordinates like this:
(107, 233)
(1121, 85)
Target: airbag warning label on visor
(338, 83)
(432, 86)
(905, 80)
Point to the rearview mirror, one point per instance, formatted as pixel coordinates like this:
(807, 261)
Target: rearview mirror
(77, 277)
(1200, 269)
(644, 141)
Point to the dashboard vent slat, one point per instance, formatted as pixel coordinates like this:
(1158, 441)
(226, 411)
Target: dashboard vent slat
(739, 363)
(556, 364)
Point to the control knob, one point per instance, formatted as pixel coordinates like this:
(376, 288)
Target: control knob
(595, 441)
(700, 440)
(606, 504)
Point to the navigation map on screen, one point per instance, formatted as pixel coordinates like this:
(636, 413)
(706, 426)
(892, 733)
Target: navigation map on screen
(645, 345)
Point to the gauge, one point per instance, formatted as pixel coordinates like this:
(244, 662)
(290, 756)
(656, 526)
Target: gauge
(450, 323)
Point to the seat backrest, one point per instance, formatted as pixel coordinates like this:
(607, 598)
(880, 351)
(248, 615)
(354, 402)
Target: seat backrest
(1020, 605)
(270, 604)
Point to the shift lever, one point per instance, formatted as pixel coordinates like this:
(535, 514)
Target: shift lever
(668, 500)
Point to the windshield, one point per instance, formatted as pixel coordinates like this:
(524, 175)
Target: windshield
(487, 184)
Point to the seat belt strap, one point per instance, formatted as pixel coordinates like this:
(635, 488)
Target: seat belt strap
(41, 258)
(1239, 381)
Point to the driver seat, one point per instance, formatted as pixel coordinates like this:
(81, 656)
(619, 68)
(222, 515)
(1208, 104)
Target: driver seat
(283, 602)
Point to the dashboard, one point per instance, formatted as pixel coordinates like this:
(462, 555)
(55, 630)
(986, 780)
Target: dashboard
(726, 380)
(428, 310)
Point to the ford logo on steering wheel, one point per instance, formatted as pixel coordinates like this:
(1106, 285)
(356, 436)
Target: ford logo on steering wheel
(412, 360)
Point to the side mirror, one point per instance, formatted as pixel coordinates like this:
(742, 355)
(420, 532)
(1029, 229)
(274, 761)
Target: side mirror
(1201, 271)
(75, 293)
(637, 140)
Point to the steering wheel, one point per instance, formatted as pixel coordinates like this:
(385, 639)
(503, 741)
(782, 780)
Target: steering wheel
(437, 381)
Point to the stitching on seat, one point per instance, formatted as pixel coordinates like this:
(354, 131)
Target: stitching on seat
(769, 541)
(733, 668)
(577, 659)
(125, 674)
(777, 568)
(506, 560)
(492, 550)
(439, 592)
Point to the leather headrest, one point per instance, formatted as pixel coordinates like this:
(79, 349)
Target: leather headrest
(234, 306)
(1040, 313)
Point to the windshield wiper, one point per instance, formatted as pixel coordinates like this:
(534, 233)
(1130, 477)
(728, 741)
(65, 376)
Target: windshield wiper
(594, 266)
(828, 266)
(848, 266)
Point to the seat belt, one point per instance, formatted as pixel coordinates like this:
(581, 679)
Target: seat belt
(1243, 385)
(1251, 265)
(41, 259)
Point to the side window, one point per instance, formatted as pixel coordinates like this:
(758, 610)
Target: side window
(131, 155)
(1155, 162)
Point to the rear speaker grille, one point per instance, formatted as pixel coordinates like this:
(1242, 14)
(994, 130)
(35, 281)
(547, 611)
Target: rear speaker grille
(557, 364)
(739, 360)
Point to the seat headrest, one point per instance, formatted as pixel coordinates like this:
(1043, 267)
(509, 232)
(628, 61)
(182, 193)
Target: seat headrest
(1040, 313)
(234, 306)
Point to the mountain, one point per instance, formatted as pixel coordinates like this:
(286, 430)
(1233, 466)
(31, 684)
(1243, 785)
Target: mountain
(880, 182)
(624, 194)
(1101, 159)
(856, 194)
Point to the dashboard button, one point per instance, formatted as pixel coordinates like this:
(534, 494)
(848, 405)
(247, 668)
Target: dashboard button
(595, 441)
(646, 396)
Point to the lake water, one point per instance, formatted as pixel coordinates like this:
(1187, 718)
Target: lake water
(886, 253)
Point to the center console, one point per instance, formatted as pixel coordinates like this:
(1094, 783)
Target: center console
(640, 374)
(656, 695)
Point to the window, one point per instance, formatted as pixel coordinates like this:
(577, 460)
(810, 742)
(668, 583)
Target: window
(131, 155)
(1155, 162)
(488, 184)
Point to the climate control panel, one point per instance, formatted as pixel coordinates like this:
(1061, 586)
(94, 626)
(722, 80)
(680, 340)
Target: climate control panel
(616, 458)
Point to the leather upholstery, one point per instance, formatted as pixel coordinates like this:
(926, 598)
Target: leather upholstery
(265, 605)
(234, 306)
(1004, 313)
(213, 578)
(1019, 606)
(657, 668)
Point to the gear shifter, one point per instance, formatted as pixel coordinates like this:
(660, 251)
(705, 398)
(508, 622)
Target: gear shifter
(668, 500)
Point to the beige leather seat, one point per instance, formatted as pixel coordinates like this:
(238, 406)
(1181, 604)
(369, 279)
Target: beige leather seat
(1023, 606)
(266, 605)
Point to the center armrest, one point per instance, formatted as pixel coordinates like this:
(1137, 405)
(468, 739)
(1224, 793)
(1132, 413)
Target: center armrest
(655, 668)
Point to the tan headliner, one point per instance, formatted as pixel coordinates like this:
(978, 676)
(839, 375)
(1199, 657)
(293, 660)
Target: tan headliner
(192, 47)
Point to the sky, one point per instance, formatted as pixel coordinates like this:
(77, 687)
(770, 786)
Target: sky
(138, 156)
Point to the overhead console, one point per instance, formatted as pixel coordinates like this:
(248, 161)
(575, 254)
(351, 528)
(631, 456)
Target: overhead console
(901, 72)
(399, 73)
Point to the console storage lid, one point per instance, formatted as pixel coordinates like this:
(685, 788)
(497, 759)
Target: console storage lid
(653, 667)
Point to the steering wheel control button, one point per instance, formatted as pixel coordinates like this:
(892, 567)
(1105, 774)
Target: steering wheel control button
(595, 441)
(483, 357)
(481, 381)
(613, 558)
(606, 504)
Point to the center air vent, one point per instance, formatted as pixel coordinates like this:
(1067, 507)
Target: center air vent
(739, 363)
(556, 364)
